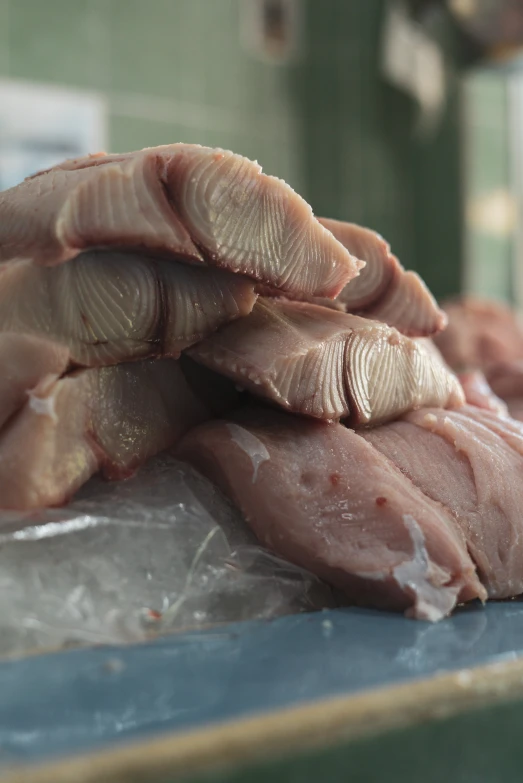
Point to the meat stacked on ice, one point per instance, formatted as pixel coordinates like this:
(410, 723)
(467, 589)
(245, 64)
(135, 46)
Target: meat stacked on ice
(142, 295)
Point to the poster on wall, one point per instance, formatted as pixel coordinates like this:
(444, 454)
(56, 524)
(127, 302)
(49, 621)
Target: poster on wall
(42, 125)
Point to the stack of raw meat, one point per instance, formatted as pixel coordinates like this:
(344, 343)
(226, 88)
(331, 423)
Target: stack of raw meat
(179, 298)
(484, 344)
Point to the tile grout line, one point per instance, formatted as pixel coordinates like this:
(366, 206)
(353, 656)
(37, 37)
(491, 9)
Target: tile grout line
(203, 117)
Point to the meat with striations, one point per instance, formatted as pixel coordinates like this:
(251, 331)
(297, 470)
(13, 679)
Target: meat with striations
(109, 307)
(183, 201)
(383, 290)
(323, 363)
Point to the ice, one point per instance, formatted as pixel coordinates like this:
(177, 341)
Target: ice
(158, 553)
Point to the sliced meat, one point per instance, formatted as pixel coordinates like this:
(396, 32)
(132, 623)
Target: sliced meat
(515, 407)
(504, 425)
(25, 361)
(108, 419)
(480, 333)
(506, 378)
(479, 393)
(181, 200)
(326, 364)
(112, 307)
(475, 475)
(322, 497)
(383, 290)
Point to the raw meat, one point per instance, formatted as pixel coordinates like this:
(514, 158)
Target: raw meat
(113, 307)
(324, 498)
(181, 200)
(384, 290)
(319, 362)
(479, 393)
(110, 419)
(506, 379)
(475, 475)
(25, 361)
(487, 336)
(480, 333)
(508, 428)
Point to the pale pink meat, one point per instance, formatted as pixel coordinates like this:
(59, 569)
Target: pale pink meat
(25, 361)
(110, 419)
(182, 200)
(480, 333)
(109, 307)
(479, 393)
(503, 425)
(383, 290)
(327, 364)
(475, 475)
(322, 497)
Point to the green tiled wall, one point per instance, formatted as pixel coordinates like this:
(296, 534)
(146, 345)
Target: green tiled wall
(175, 70)
(364, 161)
(489, 255)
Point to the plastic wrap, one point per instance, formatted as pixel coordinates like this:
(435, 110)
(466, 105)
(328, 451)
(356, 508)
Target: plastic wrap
(161, 552)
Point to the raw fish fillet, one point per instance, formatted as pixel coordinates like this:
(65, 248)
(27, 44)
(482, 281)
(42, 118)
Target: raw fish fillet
(181, 200)
(25, 361)
(460, 461)
(384, 291)
(113, 307)
(319, 495)
(110, 419)
(480, 333)
(479, 393)
(322, 363)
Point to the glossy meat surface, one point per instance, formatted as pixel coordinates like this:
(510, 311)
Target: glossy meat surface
(327, 364)
(183, 201)
(384, 291)
(113, 307)
(321, 496)
(110, 419)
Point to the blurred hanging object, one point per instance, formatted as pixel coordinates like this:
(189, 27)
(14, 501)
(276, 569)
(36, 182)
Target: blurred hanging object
(271, 29)
(496, 25)
(414, 63)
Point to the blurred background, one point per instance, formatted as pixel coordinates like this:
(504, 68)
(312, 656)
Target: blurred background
(403, 116)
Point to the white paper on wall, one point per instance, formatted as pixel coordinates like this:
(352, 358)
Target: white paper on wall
(41, 125)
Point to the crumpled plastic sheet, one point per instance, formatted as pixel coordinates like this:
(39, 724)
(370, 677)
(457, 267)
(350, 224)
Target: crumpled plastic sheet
(161, 552)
